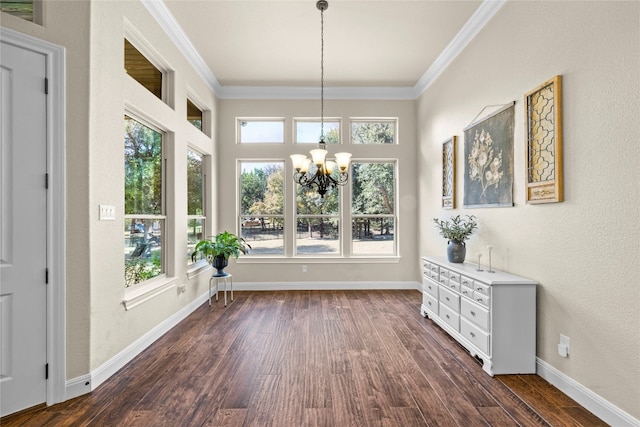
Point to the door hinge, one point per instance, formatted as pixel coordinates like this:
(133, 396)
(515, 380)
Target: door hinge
(46, 276)
(46, 371)
(46, 86)
(46, 181)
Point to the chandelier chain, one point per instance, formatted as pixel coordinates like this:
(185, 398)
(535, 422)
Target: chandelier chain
(322, 75)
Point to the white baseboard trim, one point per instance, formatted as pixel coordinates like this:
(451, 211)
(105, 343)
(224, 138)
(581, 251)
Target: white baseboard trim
(314, 286)
(600, 407)
(86, 383)
(77, 386)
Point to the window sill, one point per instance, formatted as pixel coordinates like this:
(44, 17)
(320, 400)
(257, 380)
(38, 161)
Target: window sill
(198, 268)
(141, 293)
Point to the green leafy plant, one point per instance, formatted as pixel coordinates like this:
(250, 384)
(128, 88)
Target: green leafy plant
(225, 243)
(456, 228)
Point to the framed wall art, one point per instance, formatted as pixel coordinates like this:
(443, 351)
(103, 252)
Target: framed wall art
(488, 155)
(543, 121)
(449, 173)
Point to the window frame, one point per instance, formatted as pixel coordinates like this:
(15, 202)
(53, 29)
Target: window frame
(166, 241)
(394, 120)
(203, 217)
(241, 120)
(394, 216)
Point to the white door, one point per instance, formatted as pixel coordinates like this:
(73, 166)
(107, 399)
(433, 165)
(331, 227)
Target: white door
(23, 229)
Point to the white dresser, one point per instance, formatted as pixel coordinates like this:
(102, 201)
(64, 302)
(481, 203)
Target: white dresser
(493, 315)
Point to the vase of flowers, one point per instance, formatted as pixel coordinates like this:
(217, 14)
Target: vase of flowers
(456, 230)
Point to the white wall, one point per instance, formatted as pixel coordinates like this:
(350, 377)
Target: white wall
(585, 250)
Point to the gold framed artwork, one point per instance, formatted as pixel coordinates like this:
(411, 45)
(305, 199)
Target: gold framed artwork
(449, 173)
(543, 115)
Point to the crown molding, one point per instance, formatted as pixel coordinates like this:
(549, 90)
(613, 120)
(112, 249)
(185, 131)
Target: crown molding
(484, 13)
(469, 30)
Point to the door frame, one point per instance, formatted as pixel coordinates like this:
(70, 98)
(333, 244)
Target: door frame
(56, 210)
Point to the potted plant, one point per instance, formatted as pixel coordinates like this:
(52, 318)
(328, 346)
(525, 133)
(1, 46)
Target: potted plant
(218, 250)
(456, 230)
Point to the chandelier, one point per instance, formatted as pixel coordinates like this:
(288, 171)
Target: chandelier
(319, 173)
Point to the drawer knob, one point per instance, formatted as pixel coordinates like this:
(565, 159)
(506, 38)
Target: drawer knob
(479, 299)
(447, 298)
(441, 280)
(453, 286)
(473, 313)
(447, 316)
(465, 292)
(479, 289)
(464, 282)
(472, 334)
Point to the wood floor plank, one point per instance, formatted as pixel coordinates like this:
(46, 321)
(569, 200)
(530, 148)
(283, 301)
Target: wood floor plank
(311, 358)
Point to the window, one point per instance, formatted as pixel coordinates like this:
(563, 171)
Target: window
(194, 115)
(144, 202)
(373, 131)
(307, 131)
(143, 71)
(196, 217)
(261, 131)
(373, 208)
(21, 8)
(317, 222)
(262, 206)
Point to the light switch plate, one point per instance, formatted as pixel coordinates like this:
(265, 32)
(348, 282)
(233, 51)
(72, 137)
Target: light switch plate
(107, 213)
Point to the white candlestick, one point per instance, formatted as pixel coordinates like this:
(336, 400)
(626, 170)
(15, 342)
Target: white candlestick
(490, 247)
(479, 254)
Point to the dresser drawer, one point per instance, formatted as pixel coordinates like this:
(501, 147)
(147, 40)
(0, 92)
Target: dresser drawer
(430, 302)
(450, 317)
(481, 288)
(475, 335)
(465, 281)
(430, 287)
(481, 298)
(444, 273)
(473, 312)
(454, 277)
(466, 291)
(450, 299)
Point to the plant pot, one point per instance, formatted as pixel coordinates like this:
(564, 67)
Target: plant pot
(456, 251)
(219, 263)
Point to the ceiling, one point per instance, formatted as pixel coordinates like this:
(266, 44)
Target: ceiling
(242, 46)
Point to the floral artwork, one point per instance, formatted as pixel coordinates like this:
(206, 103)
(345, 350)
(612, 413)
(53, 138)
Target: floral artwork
(488, 180)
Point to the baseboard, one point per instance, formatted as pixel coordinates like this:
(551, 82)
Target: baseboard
(77, 387)
(86, 383)
(314, 286)
(600, 407)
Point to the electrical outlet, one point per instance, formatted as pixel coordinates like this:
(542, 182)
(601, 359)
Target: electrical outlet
(564, 346)
(304, 268)
(182, 288)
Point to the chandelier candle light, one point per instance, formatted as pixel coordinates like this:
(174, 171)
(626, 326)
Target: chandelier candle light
(318, 172)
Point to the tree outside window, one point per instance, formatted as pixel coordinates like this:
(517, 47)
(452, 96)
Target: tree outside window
(143, 204)
(262, 206)
(373, 208)
(196, 217)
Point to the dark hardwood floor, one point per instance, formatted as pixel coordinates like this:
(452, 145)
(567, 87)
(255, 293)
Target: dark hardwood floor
(311, 358)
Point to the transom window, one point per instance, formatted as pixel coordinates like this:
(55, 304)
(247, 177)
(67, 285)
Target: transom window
(194, 115)
(142, 70)
(261, 131)
(307, 131)
(373, 131)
